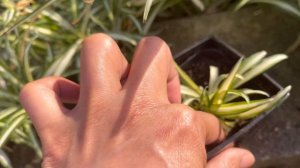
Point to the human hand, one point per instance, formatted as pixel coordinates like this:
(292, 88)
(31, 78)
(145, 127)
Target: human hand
(125, 115)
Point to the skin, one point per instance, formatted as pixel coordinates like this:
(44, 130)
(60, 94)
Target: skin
(125, 115)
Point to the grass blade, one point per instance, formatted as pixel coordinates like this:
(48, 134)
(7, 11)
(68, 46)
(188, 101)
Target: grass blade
(8, 74)
(136, 23)
(33, 139)
(7, 112)
(147, 9)
(4, 160)
(27, 70)
(7, 95)
(30, 16)
(109, 10)
(199, 4)
(153, 15)
(60, 21)
(13, 57)
(60, 65)
(6, 133)
(122, 37)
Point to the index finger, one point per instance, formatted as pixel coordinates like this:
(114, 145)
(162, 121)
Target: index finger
(153, 72)
(43, 100)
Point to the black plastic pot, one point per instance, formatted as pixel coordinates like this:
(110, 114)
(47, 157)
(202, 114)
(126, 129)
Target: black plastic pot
(212, 51)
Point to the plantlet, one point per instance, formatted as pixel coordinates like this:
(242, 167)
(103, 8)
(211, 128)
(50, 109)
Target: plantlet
(224, 97)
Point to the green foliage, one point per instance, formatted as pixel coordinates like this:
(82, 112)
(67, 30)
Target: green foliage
(221, 95)
(42, 38)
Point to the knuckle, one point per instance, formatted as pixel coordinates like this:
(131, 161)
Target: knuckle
(185, 119)
(99, 38)
(158, 41)
(36, 85)
(29, 87)
(153, 39)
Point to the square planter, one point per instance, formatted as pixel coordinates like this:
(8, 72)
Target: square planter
(212, 51)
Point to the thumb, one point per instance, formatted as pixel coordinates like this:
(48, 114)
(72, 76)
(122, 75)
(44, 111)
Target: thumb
(232, 158)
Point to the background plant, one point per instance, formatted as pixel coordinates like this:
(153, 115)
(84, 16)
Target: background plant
(42, 38)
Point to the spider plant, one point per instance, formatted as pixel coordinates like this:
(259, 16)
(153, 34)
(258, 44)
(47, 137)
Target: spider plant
(32, 47)
(221, 96)
(225, 97)
(42, 38)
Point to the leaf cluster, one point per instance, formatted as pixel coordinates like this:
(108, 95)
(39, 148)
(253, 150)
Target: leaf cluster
(224, 96)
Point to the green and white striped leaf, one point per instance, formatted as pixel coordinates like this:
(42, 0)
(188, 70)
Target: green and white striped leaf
(251, 61)
(7, 112)
(4, 160)
(10, 128)
(147, 9)
(239, 107)
(212, 85)
(187, 81)
(199, 4)
(276, 100)
(226, 85)
(26, 62)
(153, 15)
(266, 64)
(239, 93)
(189, 92)
(8, 95)
(248, 92)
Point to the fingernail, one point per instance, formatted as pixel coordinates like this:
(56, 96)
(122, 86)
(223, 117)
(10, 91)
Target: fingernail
(247, 161)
